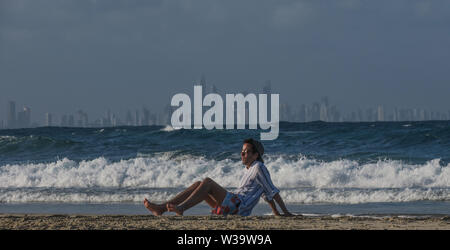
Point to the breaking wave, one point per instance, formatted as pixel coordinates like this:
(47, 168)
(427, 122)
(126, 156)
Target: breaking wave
(161, 175)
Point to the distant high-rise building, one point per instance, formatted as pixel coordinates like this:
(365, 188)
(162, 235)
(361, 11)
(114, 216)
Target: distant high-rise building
(114, 120)
(27, 111)
(82, 119)
(360, 115)
(214, 89)
(11, 115)
(302, 113)
(106, 121)
(370, 115)
(128, 119)
(323, 115)
(205, 91)
(395, 115)
(136, 118)
(71, 121)
(97, 123)
(168, 110)
(267, 89)
(48, 119)
(334, 114)
(380, 113)
(108, 118)
(145, 116)
(421, 115)
(285, 112)
(315, 112)
(153, 119)
(427, 115)
(85, 119)
(415, 114)
(24, 118)
(203, 83)
(353, 117)
(64, 122)
(406, 115)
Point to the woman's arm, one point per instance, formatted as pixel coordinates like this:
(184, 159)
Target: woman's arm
(280, 202)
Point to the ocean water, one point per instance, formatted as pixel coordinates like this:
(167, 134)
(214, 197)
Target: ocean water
(320, 168)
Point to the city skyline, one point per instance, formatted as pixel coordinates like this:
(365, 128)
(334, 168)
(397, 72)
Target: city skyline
(320, 110)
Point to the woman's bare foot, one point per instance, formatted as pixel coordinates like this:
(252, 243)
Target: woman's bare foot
(174, 208)
(156, 209)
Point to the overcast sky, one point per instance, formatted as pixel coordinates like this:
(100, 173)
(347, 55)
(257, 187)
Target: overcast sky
(60, 56)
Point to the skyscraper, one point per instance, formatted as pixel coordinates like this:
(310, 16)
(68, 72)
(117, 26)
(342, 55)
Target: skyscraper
(168, 110)
(370, 115)
(203, 83)
(285, 112)
(267, 89)
(11, 115)
(324, 116)
(136, 118)
(24, 118)
(82, 119)
(380, 113)
(64, 122)
(334, 114)
(71, 121)
(145, 116)
(128, 119)
(214, 89)
(48, 119)
(315, 112)
(302, 113)
(27, 111)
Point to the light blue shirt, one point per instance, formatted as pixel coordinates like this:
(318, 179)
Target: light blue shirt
(255, 183)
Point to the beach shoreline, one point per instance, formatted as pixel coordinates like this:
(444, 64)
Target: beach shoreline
(149, 222)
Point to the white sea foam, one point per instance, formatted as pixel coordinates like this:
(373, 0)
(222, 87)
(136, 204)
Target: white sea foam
(7, 138)
(301, 180)
(167, 128)
(164, 170)
(356, 196)
(80, 196)
(308, 196)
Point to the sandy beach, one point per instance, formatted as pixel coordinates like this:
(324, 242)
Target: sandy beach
(149, 222)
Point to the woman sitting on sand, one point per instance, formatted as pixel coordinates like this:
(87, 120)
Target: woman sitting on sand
(255, 183)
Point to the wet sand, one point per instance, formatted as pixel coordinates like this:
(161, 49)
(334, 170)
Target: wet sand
(149, 222)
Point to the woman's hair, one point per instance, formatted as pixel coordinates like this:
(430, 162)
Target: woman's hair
(255, 148)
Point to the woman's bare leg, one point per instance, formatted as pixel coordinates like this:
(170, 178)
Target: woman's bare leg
(207, 190)
(159, 209)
